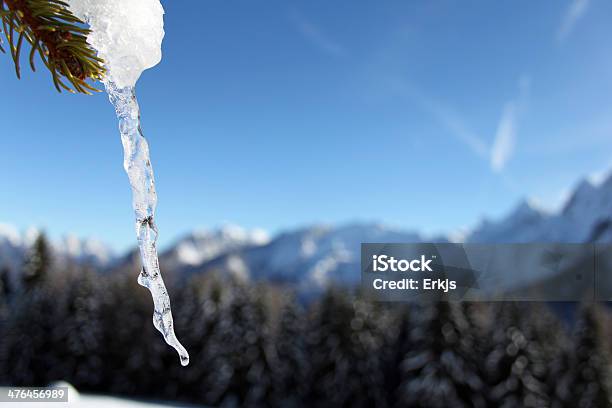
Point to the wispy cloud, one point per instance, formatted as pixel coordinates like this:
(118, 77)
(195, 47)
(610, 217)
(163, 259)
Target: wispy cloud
(505, 137)
(500, 151)
(575, 11)
(315, 35)
(503, 145)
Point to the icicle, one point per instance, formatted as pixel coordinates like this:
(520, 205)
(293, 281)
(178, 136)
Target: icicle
(137, 165)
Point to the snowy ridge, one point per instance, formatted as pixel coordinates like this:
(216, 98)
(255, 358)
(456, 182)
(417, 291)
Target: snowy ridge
(320, 255)
(526, 223)
(311, 258)
(14, 246)
(585, 217)
(84, 250)
(203, 245)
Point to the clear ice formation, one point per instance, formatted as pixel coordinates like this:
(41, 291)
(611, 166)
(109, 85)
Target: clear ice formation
(137, 165)
(128, 36)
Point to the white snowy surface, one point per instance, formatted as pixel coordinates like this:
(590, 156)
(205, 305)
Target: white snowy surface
(95, 401)
(127, 35)
(203, 245)
(78, 400)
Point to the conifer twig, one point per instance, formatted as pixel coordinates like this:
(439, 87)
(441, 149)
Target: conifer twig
(57, 36)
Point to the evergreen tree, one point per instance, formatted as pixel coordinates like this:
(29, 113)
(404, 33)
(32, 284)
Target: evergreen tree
(77, 335)
(560, 377)
(439, 369)
(5, 293)
(344, 348)
(240, 371)
(26, 355)
(291, 362)
(399, 346)
(37, 263)
(5, 283)
(4, 309)
(556, 350)
(53, 333)
(590, 368)
(216, 357)
(260, 374)
(131, 359)
(516, 362)
(196, 308)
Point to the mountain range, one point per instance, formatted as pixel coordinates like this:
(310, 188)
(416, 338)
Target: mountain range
(314, 256)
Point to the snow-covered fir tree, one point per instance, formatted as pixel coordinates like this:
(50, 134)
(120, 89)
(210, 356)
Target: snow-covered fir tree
(26, 349)
(440, 368)
(399, 346)
(291, 363)
(515, 363)
(78, 334)
(344, 346)
(239, 351)
(590, 368)
(198, 305)
(5, 283)
(37, 263)
(130, 361)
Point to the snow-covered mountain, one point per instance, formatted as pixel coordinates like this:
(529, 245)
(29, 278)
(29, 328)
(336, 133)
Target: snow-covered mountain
(315, 256)
(585, 217)
(526, 223)
(310, 257)
(14, 246)
(204, 245)
(89, 251)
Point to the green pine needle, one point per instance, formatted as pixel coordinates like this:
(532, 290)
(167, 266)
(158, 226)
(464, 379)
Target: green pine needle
(57, 37)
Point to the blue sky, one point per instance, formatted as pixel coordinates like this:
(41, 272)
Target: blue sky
(276, 114)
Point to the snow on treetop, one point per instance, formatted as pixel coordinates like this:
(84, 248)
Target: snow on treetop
(126, 34)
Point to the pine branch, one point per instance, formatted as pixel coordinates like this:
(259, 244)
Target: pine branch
(57, 36)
